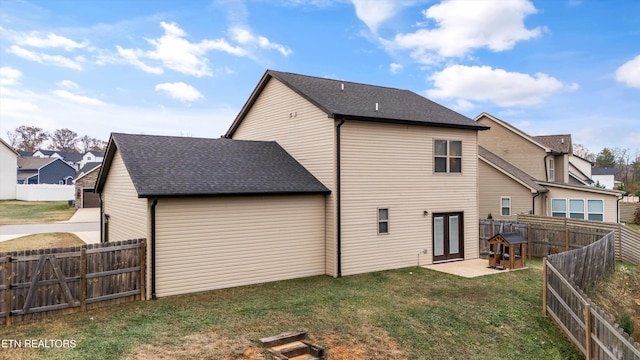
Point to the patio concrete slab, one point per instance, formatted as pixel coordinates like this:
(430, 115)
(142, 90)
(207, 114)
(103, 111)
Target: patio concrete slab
(467, 268)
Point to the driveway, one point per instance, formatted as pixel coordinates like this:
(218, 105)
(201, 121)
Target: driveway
(85, 223)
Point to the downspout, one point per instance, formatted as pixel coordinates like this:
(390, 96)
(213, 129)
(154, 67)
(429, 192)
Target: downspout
(101, 217)
(618, 208)
(338, 202)
(533, 202)
(153, 249)
(546, 171)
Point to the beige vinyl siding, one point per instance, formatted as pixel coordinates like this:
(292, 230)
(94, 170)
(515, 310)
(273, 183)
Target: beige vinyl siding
(610, 202)
(304, 131)
(128, 213)
(212, 243)
(513, 148)
(391, 166)
(8, 173)
(494, 185)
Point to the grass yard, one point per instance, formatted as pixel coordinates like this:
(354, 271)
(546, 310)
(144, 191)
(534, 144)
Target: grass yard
(636, 227)
(31, 212)
(400, 314)
(41, 241)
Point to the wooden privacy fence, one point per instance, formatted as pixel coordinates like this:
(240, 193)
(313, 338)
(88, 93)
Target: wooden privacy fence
(592, 331)
(542, 239)
(35, 283)
(549, 235)
(627, 240)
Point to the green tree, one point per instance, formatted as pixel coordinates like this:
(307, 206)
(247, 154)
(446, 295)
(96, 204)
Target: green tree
(605, 158)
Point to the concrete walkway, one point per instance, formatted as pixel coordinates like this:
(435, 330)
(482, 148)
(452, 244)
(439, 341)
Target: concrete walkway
(467, 268)
(85, 223)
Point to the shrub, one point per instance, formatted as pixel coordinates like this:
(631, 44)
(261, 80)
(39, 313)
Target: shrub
(626, 322)
(636, 216)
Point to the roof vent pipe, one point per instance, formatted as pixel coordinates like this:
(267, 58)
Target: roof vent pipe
(376, 106)
(342, 87)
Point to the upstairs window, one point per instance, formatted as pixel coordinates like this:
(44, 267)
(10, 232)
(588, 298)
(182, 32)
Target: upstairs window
(447, 156)
(551, 173)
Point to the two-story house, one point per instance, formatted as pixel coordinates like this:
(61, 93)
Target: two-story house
(384, 179)
(523, 174)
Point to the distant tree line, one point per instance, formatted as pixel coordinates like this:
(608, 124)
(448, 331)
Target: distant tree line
(32, 138)
(625, 162)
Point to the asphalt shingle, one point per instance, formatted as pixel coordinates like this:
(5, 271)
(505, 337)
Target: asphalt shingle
(163, 166)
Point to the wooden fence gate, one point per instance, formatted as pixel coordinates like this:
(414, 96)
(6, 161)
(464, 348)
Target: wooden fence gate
(36, 283)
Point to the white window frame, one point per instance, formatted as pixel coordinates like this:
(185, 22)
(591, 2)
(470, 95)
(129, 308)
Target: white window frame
(589, 213)
(569, 212)
(383, 221)
(448, 157)
(551, 171)
(565, 207)
(503, 207)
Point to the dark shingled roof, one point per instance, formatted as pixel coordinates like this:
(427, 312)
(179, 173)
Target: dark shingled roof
(559, 143)
(511, 169)
(358, 101)
(165, 166)
(512, 238)
(603, 171)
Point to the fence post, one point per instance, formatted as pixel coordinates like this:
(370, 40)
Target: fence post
(143, 269)
(493, 228)
(544, 287)
(7, 290)
(529, 241)
(566, 238)
(83, 279)
(587, 331)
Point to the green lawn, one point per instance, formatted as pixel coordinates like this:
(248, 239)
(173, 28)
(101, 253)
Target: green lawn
(30, 212)
(400, 314)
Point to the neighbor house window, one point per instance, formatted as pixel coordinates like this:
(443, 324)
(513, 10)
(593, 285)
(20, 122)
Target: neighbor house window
(505, 206)
(595, 210)
(447, 156)
(559, 207)
(551, 171)
(383, 221)
(576, 209)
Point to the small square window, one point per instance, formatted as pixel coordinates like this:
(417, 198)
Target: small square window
(447, 156)
(383, 221)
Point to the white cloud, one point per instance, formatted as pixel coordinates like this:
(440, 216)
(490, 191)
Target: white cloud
(80, 99)
(243, 36)
(462, 26)
(464, 105)
(9, 76)
(395, 68)
(180, 91)
(132, 57)
(483, 83)
(629, 73)
(67, 84)
(374, 12)
(633, 138)
(35, 39)
(45, 59)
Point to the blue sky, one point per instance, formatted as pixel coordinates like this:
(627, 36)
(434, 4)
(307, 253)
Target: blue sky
(186, 68)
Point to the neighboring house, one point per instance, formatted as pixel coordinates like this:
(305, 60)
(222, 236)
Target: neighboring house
(377, 178)
(216, 212)
(536, 175)
(85, 182)
(72, 158)
(8, 171)
(605, 176)
(35, 170)
(90, 157)
(580, 171)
